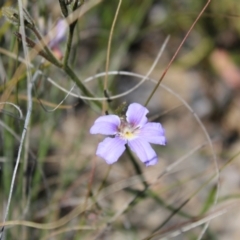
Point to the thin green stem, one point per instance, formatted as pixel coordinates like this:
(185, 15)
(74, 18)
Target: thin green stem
(176, 53)
(70, 35)
(68, 70)
(137, 168)
(69, 43)
(51, 56)
(149, 193)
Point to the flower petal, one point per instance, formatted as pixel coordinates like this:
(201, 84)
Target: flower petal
(59, 34)
(153, 133)
(136, 114)
(144, 151)
(111, 149)
(107, 125)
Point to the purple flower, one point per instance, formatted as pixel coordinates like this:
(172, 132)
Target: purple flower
(134, 130)
(59, 34)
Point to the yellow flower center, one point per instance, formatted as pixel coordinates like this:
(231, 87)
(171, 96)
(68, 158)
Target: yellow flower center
(127, 132)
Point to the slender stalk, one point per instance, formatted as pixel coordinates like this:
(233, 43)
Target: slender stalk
(68, 70)
(28, 117)
(70, 35)
(69, 43)
(108, 55)
(44, 45)
(176, 53)
(38, 34)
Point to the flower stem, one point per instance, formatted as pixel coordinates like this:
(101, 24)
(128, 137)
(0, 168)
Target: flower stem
(51, 57)
(68, 70)
(69, 43)
(137, 167)
(70, 34)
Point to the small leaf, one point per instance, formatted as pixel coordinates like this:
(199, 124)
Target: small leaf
(210, 200)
